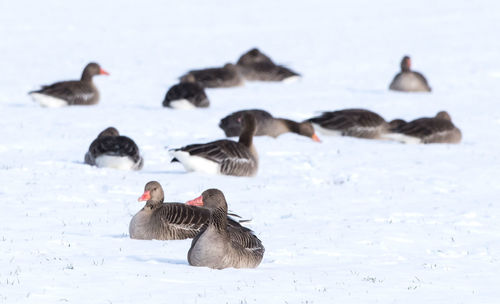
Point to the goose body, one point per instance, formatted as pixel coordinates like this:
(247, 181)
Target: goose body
(78, 92)
(169, 221)
(218, 247)
(408, 80)
(266, 124)
(111, 150)
(227, 76)
(438, 129)
(256, 66)
(351, 122)
(186, 95)
(225, 157)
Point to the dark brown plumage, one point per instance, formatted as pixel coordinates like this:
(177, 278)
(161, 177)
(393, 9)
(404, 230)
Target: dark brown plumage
(110, 149)
(227, 76)
(438, 129)
(78, 92)
(192, 92)
(218, 247)
(256, 66)
(351, 122)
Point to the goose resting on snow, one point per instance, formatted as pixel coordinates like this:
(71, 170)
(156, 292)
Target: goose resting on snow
(218, 247)
(169, 221)
(351, 122)
(78, 92)
(227, 76)
(427, 130)
(224, 156)
(256, 66)
(111, 150)
(408, 80)
(266, 125)
(186, 95)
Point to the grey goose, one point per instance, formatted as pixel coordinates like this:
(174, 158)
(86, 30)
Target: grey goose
(351, 122)
(218, 247)
(227, 76)
(256, 66)
(408, 80)
(224, 156)
(266, 125)
(427, 130)
(169, 221)
(186, 95)
(77, 92)
(111, 150)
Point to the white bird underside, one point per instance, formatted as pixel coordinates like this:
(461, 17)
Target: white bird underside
(326, 131)
(402, 138)
(48, 101)
(116, 162)
(291, 79)
(196, 163)
(181, 104)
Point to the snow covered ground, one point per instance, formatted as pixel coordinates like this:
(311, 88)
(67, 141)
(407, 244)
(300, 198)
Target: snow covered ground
(344, 221)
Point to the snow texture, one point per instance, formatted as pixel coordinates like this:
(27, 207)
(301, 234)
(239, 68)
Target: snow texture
(343, 221)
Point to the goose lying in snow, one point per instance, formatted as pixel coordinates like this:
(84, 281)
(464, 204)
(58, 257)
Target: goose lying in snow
(227, 76)
(351, 122)
(78, 92)
(408, 80)
(427, 130)
(224, 156)
(218, 247)
(186, 95)
(111, 150)
(266, 125)
(169, 221)
(255, 66)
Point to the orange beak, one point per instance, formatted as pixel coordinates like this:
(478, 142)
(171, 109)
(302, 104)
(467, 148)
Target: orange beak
(145, 197)
(315, 138)
(196, 202)
(103, 72)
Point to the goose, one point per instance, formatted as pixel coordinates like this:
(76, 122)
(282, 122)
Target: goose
(408, 80)
(256, 66)
(427, 130)
(218, 247)
(351, 122)
(169, 221)
(111, 150)
(224, 156)
(186, 95)
(77, 92)
(266, 125)
(227, 76)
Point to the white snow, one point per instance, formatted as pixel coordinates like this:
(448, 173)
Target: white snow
(343, 221)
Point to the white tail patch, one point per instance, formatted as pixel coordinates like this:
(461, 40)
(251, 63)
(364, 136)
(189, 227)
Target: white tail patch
(48, 101)
(195, 163)
(326, 131)
(116, 162)
(181, 104)
(291, 79)
(402, 138)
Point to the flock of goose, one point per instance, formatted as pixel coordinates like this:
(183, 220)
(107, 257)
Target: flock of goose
(219, 241)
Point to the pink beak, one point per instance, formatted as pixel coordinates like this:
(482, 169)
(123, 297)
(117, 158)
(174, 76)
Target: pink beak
(145, 197)
(103, 72)
(196, 202)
